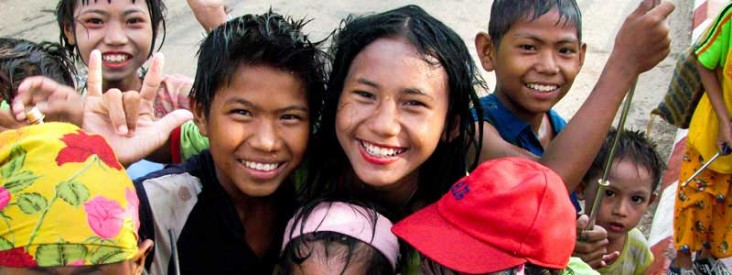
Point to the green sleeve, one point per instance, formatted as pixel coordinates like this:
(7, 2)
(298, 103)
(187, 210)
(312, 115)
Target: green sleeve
(577, 266)
(192, 141)
(4, 105)
(713, 46)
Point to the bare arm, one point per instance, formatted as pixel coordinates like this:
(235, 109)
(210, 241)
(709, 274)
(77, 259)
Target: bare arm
(641, 43)
(712, 87)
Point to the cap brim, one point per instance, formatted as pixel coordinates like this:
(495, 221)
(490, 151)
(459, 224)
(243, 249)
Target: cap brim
(447, 245)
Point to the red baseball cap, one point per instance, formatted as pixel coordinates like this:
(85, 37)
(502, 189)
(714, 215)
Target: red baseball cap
(505, 213)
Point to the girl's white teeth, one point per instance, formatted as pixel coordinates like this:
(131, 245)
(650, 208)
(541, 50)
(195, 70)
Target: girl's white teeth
(542, 88)
(115, 57)
(380, 151)
(261, 166)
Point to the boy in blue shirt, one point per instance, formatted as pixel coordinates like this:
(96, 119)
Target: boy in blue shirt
(536, 51)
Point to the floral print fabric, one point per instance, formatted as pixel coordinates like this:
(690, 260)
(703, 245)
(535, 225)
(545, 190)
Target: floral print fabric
(64, 199)
(703, 209)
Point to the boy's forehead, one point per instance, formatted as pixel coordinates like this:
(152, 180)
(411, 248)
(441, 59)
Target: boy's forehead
(555, 19)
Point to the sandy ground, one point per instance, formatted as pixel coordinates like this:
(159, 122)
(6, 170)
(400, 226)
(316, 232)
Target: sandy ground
(34, 20)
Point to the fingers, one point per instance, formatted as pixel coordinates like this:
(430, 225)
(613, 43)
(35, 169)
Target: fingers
(131, 103)
(610, 258)
(94, 77)
(172, 120)
(154, 75)
(597, 234)
(662, 11)
(644, 7)
(36, 89)
(582, 222)
(115, 106)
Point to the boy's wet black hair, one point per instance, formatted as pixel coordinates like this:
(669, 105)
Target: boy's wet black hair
(65, 17)
(632, 146)
(505, 13)
(22, 58)
(439, 45)
(268, 39)
(351, 250)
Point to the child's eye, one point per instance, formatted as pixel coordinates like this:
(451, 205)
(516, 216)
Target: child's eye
(93, 22)
(365, 94)
(609, 193)
(415, 103)
(527, 47)
(241, 112)
(567, 51)
(135, 20)
(291, 117)
(638, 199)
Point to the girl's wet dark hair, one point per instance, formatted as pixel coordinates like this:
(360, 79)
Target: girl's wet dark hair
(505, 13)
(268, 39)
(352, 250)
(65, 17)
(21, 58)
(440, 46)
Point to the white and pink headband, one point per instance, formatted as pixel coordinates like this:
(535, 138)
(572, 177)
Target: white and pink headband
(350, 220)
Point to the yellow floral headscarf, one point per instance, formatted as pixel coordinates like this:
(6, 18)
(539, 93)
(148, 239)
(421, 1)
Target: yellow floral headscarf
(64, 199)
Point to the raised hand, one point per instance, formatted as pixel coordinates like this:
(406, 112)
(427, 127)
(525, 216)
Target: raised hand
(127, 119)
(643, 40)
(56, 101)
(209, 13)
(591, 245)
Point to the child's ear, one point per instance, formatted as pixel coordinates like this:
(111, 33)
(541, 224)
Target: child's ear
(143, 249)
(69, 33)
(486, 51)
(199, 117)
(652, 198)
(582, 51)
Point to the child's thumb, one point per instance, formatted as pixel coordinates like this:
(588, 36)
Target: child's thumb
(172, 120)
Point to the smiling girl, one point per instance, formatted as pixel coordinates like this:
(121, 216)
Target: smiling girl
(124, 31)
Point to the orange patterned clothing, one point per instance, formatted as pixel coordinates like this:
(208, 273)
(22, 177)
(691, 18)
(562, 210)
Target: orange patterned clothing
(703, 209)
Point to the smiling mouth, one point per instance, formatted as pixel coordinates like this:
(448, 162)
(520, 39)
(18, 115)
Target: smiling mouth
(116, 58)
(261, 166)
(542, 88)
(381, 152)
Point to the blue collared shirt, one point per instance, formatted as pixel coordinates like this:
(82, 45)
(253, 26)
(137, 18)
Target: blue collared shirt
(517, 131)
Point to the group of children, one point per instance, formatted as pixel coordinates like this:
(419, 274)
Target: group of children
(302, 161)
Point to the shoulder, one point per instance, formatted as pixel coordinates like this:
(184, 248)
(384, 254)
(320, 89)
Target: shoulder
(558, 122)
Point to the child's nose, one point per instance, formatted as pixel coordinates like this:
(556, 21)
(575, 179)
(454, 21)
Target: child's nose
(547, 63)
(115, 34)
(620, 208)
(266, 138)
(384, 121)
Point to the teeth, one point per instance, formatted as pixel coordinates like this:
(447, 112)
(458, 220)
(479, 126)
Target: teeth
(114, 57)
(266, 167)
(542, 88)
(380, 151)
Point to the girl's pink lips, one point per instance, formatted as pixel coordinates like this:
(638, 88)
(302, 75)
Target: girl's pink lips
(379, 160)
(116, 64)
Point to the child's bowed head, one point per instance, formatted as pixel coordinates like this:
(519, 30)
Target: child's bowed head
(507, 213)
